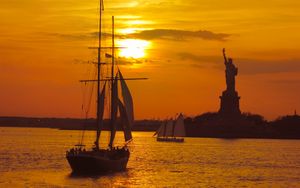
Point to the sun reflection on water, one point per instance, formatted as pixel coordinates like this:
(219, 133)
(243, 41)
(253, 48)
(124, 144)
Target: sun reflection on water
(34, 157)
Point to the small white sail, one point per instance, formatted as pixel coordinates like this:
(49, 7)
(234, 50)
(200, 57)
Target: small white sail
(179, 128)
(169, 128)
(127, 99)
(125, 122)
(160, 131)
(114, 111)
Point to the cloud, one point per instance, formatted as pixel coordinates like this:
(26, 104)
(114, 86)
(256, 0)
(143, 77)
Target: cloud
(199, 61)
(253, 66)
(178, 35)
(246, 66)
(286, 81)
(164, 34)
(79, 36)
(129, 61)
(193, 57)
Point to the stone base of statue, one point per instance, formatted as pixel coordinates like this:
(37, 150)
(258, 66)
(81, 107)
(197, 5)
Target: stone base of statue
(230, 104)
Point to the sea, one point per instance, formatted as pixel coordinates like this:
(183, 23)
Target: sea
(35, 157)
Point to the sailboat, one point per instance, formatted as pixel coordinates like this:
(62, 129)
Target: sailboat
(171, 130)
(109, 158)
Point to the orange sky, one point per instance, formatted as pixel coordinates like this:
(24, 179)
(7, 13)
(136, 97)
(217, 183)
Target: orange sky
(43, 45)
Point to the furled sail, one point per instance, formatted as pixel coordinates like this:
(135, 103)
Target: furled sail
(124, 121)
(114, 111)
(101, 111)
(169, 128)
(127, 100)
(179, 128)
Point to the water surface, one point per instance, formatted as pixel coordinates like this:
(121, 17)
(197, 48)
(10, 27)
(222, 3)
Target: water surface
(32, 157)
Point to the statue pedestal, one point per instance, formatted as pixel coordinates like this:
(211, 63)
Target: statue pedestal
(230, 105)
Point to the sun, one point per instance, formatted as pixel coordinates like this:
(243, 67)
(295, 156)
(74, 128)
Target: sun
(133, 48)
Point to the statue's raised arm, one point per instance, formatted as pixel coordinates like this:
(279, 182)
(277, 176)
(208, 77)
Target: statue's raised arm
(224, 55)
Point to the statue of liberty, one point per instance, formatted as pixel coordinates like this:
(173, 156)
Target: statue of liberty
(231, 71)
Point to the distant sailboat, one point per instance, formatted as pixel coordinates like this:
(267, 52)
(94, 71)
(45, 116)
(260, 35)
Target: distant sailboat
(110, 158)
(171, 130)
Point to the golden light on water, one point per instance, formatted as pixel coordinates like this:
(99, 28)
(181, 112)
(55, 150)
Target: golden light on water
(133, 48)
(193, 41)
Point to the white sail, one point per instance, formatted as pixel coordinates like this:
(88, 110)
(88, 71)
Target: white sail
(114, 111)
(125, 122)
(169, 128)
(127, 100)
(179, 128)
(161, 130)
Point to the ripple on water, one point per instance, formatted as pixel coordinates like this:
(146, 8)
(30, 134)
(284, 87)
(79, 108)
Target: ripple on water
(36, 158)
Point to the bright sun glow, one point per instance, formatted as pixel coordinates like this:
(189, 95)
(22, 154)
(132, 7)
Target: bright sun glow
(133, 48)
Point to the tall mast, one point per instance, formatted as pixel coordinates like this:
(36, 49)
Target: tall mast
(113, 47)
(99, 123)
(112, 107)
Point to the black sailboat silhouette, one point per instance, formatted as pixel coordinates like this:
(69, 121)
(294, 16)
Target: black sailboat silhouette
(98, 160)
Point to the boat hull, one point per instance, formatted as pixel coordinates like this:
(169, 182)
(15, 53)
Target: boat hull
(170, 139)
(88, 162)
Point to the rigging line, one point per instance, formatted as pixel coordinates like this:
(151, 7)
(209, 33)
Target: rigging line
(87, 108)
(90, 90)
(84, 90)
(87, 74)
(84, 120)
(91, 95)
(82, 112)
